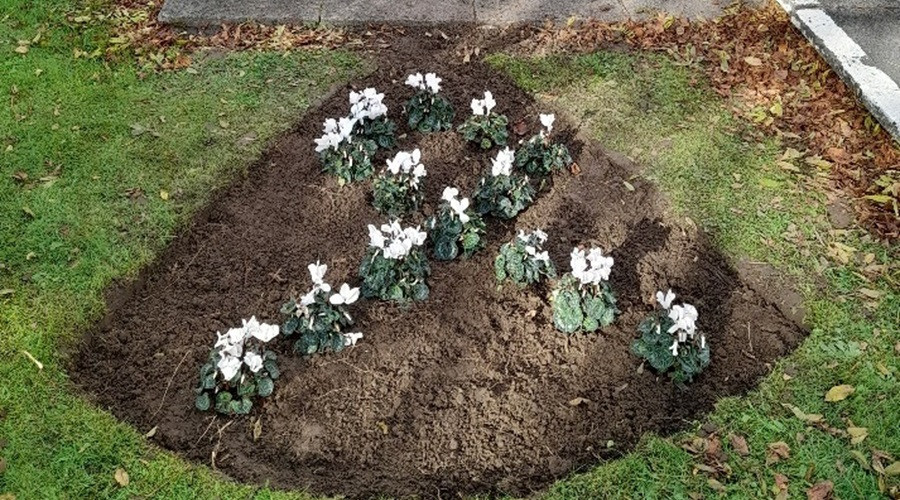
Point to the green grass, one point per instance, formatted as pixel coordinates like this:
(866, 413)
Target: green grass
(102, 146)
(650, 109)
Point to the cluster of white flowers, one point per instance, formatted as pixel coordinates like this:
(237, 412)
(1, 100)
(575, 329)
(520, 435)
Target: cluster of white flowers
(344, 296)
(231, 347)
(429, 82)
(367, 105)
(408, 164)
(547, 122)
(684, 317)
(396, 242)
(458, 206)
(537, 237)
(335, 132)
(483, 107)
(503, 163)
(595, 273)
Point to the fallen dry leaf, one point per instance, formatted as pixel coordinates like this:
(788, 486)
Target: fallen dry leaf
(857, 434)
(839, 393)
(121, 477)
(753, 61)
(820, 491)
(777, 452)
(578, 401)
(892, 470)
(739, 445)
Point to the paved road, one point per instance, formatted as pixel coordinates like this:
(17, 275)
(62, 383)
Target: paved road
(214, 12)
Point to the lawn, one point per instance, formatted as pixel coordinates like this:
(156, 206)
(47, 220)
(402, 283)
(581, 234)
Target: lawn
(100, 165)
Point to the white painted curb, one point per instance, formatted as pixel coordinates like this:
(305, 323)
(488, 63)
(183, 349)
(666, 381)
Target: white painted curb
(874, 87)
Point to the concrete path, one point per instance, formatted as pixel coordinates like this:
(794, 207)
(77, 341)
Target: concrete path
(214, 12)
(860, 39)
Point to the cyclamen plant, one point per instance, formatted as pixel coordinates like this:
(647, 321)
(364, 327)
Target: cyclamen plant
(523, 260)
(539, 157)
(395, 267)
(483, 127)
(455, 226)
(583, 300)
(369, 113)
(504, 193)
(320, 317)
(670, 342)
(239, 368)
(428, 111)
(396, 190)
(343, 155)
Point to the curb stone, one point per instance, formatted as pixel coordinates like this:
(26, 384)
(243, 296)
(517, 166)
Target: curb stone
(877, 91)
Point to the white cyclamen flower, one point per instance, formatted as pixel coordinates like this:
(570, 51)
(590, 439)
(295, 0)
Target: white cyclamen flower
(265, 332)
(228, 366)
(317, 272)
(540, 235)
(450, 193)
(253, 361)
(542, 257)
(488, 102)
(547, 121)
(376, 237)
(684, 317)
(503, 163)
(345, 295)
(350, 339)
(665, 299)
(674, 348)
(415, 81)
(433, 83)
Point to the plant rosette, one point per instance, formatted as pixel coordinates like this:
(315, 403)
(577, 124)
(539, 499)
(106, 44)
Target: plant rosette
(523, 260)
(342, 155)
(396, 191)
(395, 267)
(502, 192)
(238, 370)
(320, 317)
(582, 299)
(670, 341)
(485, 128)
(455, 228)
(369, 113)
(539, 157)
(427, 111)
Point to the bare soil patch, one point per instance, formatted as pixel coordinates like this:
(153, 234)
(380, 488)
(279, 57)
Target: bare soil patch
(467, 392)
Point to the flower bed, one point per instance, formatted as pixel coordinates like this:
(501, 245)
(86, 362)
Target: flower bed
(463, 386)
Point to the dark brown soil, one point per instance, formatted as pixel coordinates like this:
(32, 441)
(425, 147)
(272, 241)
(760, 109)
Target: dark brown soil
(466, 392)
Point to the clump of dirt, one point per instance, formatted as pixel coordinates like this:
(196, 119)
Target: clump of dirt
(470, 391)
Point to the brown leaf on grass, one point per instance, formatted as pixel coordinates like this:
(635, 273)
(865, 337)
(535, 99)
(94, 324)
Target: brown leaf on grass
(777, 452)
(820, 491)
(122, 477)
(857, 434)
(839, 393)
(892, 470)
(716, 485)
(739, 444)
(811, 418)
(781, 485)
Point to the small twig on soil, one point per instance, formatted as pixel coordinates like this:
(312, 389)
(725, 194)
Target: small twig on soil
(211, 422)
(169, 385)
(749, 340)
(215, 451)
(749, 355)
